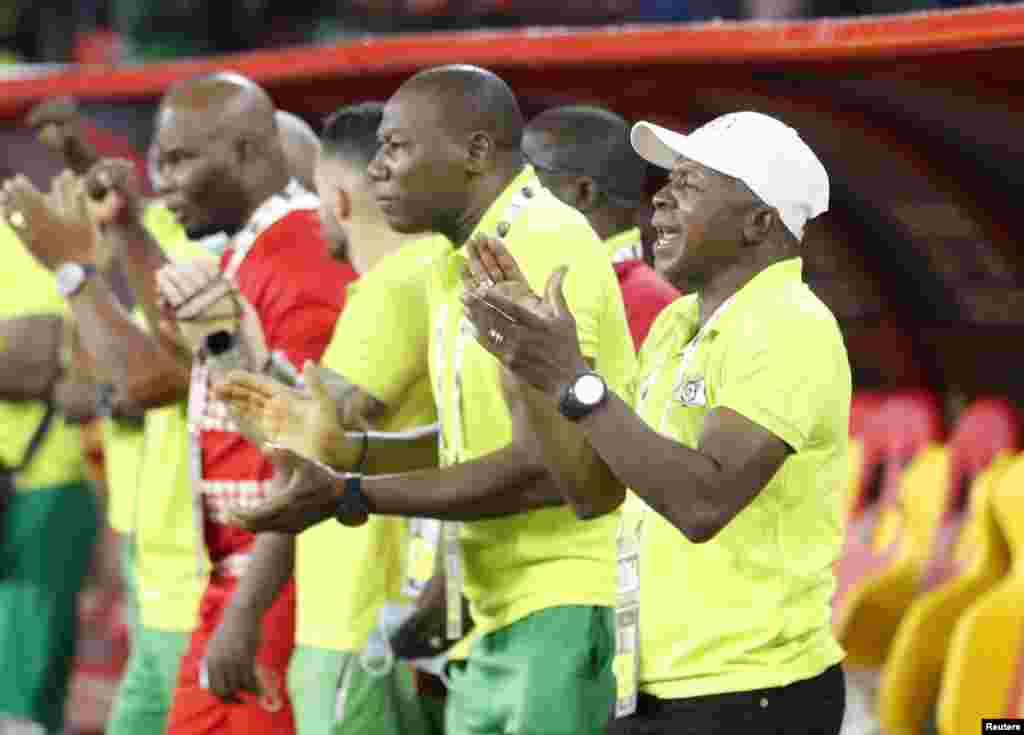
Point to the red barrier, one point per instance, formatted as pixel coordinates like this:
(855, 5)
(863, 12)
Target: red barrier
(822, 41)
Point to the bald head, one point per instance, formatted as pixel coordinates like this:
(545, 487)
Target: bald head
(587, 141)
(227, 103)
(218, 151)
(301, 147)
(471, 99)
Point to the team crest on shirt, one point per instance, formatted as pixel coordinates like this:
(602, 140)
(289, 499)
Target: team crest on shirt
(691, 392)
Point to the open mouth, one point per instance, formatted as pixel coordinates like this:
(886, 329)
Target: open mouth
(666, 236)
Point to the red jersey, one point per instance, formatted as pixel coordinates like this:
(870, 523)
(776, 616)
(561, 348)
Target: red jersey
(281, 264)
(644, 292)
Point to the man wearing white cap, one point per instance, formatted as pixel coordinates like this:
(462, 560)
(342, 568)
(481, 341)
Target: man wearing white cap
(731, 439)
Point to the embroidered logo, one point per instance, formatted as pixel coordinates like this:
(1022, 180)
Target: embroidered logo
(691, 393)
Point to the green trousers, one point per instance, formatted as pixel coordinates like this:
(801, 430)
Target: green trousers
(332, 694)
(144, 696)
(547, 674)
(45, 553)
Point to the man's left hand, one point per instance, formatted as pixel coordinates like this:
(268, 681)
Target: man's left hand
(231, 656)
(198, 300)
(310, 495)
(534, 338)
(54, 229)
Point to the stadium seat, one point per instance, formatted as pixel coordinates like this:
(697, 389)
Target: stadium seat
(913, 669)
(907, 423)
(865, 405)
(988, 427)
(1017, 690)
(985, 651)
(891, 563)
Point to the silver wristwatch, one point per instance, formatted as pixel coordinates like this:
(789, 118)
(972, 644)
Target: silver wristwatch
(72, 276)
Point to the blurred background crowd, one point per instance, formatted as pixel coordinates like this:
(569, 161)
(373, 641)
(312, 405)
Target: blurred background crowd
(62, 31)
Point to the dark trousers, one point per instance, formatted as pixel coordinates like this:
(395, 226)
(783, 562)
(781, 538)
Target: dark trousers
(811, 707)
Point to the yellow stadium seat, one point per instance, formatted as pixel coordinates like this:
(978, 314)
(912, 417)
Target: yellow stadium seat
(892, 436)
(900, 548)
(982, 663)
(913, 668)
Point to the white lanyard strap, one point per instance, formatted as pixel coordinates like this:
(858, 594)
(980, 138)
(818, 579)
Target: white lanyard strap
(629, 542)
(454, 451)
(290, 199)
(293, 197)
(633, 251)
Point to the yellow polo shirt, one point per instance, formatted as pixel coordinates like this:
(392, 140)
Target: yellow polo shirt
(517, 565)
(344, 575)
(123, 441)
(168, 556)
(30, 289)
(749, 609)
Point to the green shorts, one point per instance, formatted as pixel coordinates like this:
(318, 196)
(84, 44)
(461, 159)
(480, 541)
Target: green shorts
(45, 553)
(129, 585)
(332, 693)
(547, 674)
(144, 697)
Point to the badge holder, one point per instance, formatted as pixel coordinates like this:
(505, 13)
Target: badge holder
(626, 664)
(421, 555)
(455, 625)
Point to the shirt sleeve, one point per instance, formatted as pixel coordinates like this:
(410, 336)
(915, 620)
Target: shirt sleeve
(381, 340)
(784, 375)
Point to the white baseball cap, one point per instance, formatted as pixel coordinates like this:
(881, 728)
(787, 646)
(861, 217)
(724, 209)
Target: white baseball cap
(764, 153)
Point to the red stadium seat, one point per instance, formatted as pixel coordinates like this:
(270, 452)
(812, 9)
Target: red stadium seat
(863, 407)
(988, 427)
(865, 404)
(907, 422)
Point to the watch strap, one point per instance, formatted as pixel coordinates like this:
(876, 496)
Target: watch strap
(569, 404)
(354, 507)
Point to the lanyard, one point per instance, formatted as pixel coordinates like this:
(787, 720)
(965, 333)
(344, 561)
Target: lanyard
(630, 537)
(293, 197)
(633, 251)
(455, 451)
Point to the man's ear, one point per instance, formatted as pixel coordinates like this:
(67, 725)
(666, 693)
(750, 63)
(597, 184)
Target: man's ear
(479, 152)
(341, 206)
(759, 223)
(246, 149)
(588, 194)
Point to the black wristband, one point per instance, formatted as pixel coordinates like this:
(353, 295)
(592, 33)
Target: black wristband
(353, 500)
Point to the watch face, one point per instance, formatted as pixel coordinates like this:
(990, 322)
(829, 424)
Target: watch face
(589, 389)
(69, 278)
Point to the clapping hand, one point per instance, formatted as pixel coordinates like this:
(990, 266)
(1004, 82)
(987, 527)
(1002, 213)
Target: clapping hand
(534, 338)
(114, 193)
(309, 493)
(197, 301)
(54, 228)
(305, 423)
